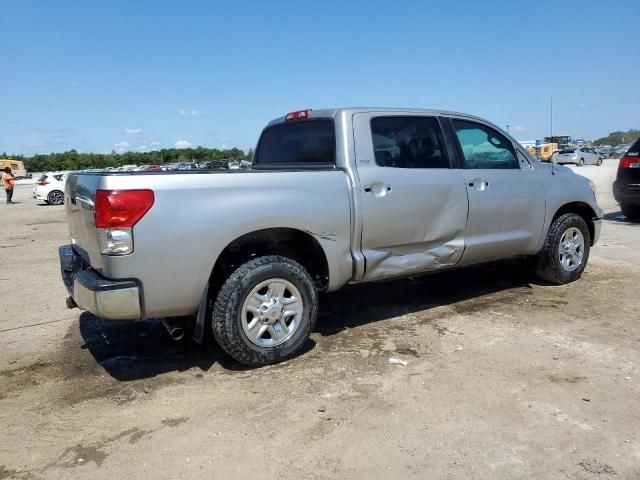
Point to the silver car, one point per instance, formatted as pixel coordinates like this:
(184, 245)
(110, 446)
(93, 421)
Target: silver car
(580, 156)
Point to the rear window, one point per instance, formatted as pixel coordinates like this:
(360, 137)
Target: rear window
(42, 178)
(568, 150)
(634, 150)
(58, 177)
(306, 142)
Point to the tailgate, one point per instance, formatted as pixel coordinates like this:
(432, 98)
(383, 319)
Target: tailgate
(80, 194)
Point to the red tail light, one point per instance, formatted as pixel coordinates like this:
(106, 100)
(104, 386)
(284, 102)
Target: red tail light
(629, 162)
(122, 208)
(42, 182)
(298, 115)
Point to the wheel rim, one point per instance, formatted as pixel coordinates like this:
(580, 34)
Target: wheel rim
(571, 251)
(56, 198)
(272, 312)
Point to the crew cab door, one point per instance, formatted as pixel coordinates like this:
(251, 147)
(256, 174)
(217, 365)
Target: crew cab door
(506, 194)
(413, 204)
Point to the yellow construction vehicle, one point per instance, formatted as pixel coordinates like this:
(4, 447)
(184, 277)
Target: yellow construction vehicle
(544, 151)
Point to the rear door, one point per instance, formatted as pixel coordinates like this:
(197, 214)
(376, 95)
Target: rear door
(413, 204)
(506, 194)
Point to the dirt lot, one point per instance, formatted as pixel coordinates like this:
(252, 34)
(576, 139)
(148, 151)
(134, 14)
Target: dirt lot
(506, 378)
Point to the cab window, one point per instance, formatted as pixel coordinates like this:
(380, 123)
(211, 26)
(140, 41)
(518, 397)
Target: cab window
(484, 147)
(408, 142)
(298, 143)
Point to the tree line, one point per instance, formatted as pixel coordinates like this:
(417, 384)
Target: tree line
(72, 160)
(617, 138)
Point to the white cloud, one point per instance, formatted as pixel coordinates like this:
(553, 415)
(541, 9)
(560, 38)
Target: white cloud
(185, 112)
(132, 131)
(182, 144)
(121, 145)
(519, 128)
(142, 148)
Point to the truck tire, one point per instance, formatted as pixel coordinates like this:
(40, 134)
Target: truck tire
(566, 250)
(554, 157)
(265, 311)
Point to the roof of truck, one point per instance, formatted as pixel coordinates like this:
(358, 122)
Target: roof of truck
(333, 112)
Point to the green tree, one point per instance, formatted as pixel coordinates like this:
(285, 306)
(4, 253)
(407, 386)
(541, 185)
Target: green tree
(617, 138)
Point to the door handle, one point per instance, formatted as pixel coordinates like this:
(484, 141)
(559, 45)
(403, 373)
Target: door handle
(378, 189)
(479, 184)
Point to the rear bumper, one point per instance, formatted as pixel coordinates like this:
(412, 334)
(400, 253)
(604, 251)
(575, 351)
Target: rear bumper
(626, 193)
(112, 300)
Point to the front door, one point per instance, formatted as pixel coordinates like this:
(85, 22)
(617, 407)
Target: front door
(413, 204)
(506, 195)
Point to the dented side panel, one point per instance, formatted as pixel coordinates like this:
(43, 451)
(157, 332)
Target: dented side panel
(413, 220)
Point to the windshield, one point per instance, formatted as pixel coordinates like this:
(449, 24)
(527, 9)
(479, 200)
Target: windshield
(308, 142)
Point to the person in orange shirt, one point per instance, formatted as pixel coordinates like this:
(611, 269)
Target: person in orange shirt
(8, 183)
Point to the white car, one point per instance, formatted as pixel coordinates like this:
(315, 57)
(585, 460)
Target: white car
(50, 188)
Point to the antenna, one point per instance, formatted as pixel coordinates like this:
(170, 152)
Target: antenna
(551, 115)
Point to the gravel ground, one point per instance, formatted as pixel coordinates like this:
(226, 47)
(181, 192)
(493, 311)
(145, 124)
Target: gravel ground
(505, 378)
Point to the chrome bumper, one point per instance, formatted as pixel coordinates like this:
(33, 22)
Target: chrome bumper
(112, 300)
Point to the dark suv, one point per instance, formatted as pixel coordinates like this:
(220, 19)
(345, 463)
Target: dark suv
(626, 188)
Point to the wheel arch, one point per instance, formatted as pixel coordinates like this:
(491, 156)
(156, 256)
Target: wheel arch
(579, 208)
(299, 245)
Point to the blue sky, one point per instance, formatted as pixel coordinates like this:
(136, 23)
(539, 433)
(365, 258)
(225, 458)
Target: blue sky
(124, 75)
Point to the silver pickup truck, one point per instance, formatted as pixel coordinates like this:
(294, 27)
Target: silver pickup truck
(333, 197)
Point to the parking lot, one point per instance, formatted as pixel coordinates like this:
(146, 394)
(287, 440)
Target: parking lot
(505, 377)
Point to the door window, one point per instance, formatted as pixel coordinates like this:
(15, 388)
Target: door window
(484, 147)
(408, 142)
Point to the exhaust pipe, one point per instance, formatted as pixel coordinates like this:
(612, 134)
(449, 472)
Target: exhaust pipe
(174, 327)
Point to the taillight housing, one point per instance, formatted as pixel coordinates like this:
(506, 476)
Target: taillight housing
(122, 208)
(629, 162)
(116, 212)
(42, 182)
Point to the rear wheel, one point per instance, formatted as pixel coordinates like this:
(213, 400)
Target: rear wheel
(581, 162)
(55, 197)
(599, 161)
(632, 212)
(265, 311)
(566, 250)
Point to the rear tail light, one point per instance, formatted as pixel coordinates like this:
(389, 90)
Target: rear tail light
(629, 162)
(122, 208)
(117, 211)
(297, 115)
(42, 182)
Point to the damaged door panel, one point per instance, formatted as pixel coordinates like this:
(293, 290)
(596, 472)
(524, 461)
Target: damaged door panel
(414, 206)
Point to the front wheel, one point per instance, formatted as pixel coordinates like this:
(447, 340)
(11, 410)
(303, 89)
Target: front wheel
(566, 250)
(265, 311)
(599, 161)
(581, 162)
